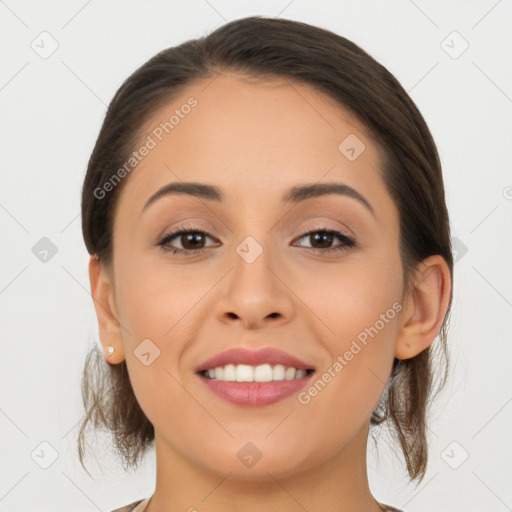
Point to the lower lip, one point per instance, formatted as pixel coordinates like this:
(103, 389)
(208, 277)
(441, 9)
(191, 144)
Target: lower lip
(255, 394)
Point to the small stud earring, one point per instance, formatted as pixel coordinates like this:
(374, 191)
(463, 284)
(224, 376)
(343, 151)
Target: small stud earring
(110, 350)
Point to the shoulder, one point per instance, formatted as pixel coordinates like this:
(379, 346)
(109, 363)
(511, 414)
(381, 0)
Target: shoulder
(389, 508)
(131, 507)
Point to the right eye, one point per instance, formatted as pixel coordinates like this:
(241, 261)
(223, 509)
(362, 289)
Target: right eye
(189, 236)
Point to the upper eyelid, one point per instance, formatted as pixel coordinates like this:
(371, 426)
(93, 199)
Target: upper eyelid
(304, 231)
(324, 227)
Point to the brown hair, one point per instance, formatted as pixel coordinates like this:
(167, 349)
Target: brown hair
(262, 47)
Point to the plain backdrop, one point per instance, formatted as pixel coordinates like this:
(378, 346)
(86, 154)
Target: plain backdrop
(454, 59)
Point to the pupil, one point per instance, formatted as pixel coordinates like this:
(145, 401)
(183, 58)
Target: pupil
(326, 236)
(188, 239)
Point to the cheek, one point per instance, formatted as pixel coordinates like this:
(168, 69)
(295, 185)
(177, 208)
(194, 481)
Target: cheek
(157, 304)
(359, 309)
(153, 298)
(349, 296)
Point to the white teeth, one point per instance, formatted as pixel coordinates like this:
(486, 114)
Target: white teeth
(244, 373)
(289, 374)
(229, 372)
(261, 373)
(278, 372)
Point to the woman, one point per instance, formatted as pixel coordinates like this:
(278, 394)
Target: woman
(270, 266)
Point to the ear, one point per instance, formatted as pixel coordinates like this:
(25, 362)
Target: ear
(425, 307)
(102, 291)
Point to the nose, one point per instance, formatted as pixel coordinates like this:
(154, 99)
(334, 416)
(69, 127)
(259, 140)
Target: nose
(255, 294)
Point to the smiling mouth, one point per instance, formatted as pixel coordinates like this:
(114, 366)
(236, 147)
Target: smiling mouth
(255, 374)
(249, 386)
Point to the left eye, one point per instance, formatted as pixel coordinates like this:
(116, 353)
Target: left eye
(326, 236)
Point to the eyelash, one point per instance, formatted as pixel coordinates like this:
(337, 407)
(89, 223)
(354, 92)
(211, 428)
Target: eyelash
(348, 243)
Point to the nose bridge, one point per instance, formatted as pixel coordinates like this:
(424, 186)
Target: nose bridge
(258, 245)
(253, 290)
(253, 261)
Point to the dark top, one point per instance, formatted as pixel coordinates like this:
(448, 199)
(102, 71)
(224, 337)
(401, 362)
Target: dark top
(131, 507)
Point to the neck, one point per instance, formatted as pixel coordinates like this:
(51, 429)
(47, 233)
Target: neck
(338, 482)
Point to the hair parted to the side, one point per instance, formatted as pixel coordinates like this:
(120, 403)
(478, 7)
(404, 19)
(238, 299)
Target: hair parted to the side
(262, 47)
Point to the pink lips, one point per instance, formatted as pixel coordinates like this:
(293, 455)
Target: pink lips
(241, 355)
(254, 394)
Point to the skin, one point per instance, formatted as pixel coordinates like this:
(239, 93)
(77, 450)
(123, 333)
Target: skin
(254, 140)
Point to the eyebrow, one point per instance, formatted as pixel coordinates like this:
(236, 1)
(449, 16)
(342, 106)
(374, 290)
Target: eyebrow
(295, 194)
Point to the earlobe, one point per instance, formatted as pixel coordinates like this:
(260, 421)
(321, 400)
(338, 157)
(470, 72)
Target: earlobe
(425, 308)
(102, 291)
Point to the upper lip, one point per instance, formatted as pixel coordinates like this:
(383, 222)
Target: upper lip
(241, 355)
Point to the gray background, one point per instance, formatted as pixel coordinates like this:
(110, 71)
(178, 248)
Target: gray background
(51, 110)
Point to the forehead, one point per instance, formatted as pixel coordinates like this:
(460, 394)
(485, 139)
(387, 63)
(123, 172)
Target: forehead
(253, 139)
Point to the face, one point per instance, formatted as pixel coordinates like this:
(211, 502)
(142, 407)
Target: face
(317, 277)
